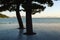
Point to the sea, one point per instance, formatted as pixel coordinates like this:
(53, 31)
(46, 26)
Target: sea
(34, 20)
(45, 29)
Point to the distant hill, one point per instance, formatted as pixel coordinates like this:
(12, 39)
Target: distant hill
(3, 16)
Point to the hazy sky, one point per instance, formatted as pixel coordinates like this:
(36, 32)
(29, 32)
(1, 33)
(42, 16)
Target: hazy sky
(53, 11)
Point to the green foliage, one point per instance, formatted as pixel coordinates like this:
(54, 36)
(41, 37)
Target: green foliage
(11, 5)
(38, 6)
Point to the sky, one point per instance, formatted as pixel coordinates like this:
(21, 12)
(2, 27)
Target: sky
(53, 11)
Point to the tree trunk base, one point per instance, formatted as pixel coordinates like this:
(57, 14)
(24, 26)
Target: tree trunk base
(30, 33)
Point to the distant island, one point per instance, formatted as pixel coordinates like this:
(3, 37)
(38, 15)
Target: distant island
(3, 16)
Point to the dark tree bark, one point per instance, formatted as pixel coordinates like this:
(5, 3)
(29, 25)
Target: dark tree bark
(29, 28)
(19, 18)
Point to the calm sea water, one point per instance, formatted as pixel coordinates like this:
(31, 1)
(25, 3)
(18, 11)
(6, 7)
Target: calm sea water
(35, 20)
(45, 29)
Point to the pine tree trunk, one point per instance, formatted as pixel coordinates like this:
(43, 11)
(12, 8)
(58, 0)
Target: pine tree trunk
(19, 18)
(29, 28)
